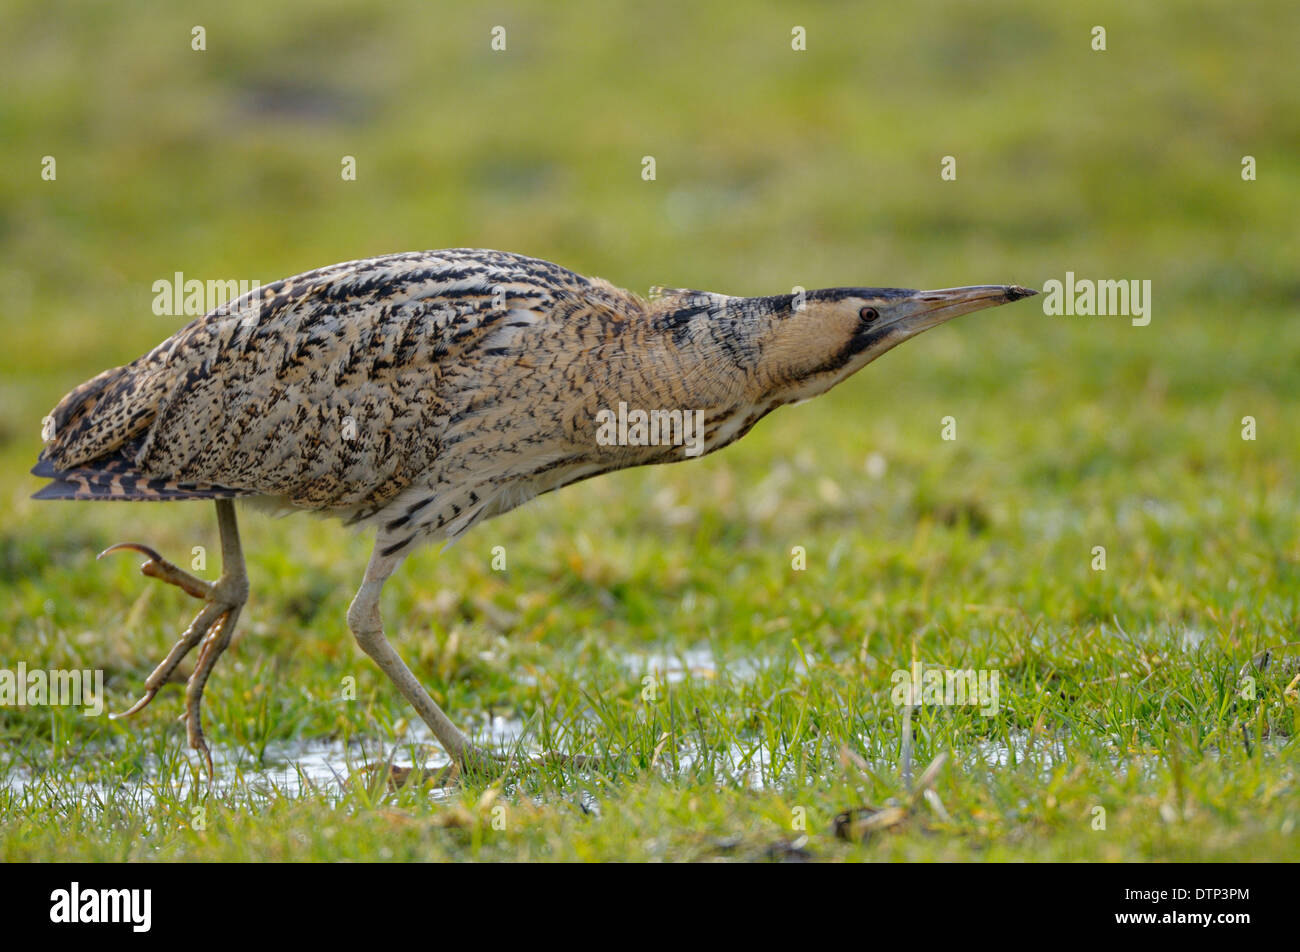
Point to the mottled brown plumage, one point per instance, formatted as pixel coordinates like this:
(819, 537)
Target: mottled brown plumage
(425, 392)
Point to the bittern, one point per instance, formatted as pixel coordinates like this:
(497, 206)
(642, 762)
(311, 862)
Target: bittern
(423, 393)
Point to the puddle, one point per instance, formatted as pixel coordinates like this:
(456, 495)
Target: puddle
(1016, 750)
(1047, 752)
(298, 768)
(321, 768)
(316, 768)
(700, 663)
(675, 668)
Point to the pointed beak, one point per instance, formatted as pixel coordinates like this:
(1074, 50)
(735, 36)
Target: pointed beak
(926, 309)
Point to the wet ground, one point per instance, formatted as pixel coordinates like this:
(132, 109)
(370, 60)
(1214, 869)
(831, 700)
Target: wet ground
(325, 767)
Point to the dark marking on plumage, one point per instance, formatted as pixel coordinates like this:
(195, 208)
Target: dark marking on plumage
(397, 546)
(463, 404)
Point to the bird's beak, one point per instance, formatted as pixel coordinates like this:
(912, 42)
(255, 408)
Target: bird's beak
(926, 309)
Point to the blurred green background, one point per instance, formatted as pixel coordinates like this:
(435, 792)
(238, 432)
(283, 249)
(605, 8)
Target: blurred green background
(774, 168)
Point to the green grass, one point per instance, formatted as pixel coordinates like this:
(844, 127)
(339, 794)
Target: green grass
(1119, 688)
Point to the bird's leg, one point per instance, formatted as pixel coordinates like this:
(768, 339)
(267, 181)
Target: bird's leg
(213, 626)
(368, 627)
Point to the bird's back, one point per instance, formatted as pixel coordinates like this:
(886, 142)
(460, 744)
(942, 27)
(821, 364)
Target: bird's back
(337, 389)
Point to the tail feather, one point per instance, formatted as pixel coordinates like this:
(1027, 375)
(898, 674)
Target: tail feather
(116, 478)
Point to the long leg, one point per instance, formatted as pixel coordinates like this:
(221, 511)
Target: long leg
(368, 627)
(213, 626)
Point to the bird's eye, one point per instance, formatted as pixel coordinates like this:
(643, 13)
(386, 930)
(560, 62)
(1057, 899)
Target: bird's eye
(868, 314)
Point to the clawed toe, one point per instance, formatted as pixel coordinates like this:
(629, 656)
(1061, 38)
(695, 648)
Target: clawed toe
(160, 568)
(211, 629)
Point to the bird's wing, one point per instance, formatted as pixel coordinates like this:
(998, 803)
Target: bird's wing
(328, 389)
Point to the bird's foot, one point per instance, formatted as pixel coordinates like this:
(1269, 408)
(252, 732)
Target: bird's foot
(211, 631)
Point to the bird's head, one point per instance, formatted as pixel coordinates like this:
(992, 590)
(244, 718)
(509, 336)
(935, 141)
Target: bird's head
(810, 342)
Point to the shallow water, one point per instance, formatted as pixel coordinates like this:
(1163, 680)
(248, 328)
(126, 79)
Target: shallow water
(323, 767)
(297, 768)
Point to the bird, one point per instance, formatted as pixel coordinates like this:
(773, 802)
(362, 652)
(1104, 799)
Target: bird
(419, 394)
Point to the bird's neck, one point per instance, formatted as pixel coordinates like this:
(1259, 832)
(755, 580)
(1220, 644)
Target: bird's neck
(697, 359)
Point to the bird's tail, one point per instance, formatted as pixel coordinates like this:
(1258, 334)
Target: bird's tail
(116, 478)
(96, 435)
